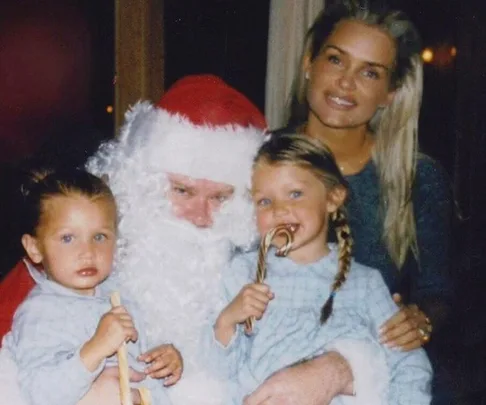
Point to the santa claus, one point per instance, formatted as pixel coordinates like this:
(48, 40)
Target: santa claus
(177, 161)
(180, 172)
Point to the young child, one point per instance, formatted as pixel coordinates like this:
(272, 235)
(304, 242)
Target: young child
(315, 296)
(65, 334)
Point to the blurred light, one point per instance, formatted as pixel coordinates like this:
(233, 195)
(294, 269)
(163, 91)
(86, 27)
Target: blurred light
(453, 51)
(109, 109)
(427, 55)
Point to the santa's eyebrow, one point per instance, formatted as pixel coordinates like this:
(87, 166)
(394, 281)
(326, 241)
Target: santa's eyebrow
(176, 184)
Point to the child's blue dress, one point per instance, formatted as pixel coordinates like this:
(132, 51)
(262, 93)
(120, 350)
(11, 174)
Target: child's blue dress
(290, 330)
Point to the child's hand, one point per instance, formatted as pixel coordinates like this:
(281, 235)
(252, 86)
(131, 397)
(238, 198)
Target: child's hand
(114, 328)
(165, 361)
(252, 301)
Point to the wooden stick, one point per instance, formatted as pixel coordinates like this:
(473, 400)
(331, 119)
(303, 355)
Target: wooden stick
(125, 391)
(145, 397)
(265, 244)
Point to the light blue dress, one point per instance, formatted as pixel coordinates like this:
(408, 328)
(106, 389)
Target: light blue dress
(290, 330)
(48, 331)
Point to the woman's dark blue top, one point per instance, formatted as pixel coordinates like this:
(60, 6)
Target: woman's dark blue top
(423, 281)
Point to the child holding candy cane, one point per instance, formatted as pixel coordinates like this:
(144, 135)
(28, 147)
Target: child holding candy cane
(316, 295)
(65, 334)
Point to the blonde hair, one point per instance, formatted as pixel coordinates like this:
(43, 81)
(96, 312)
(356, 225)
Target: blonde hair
(310, 154)
(395, 127)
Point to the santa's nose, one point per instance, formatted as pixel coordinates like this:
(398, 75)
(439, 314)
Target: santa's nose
(200, 213)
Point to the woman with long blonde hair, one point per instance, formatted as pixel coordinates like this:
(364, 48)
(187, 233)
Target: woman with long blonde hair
(360, 93)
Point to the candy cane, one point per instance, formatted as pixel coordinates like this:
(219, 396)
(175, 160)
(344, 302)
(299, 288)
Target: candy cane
(123, 371)
(266, 242)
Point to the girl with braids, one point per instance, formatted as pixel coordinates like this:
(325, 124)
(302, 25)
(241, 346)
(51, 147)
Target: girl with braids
(317, 296)
(65, 334)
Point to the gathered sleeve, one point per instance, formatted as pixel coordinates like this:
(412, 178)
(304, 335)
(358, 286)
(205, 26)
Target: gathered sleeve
(50, 369)
(226, 361)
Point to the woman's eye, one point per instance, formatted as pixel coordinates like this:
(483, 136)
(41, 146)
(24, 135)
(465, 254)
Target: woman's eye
(99, 237)
(295, 194)
(334, 59)
(371, 74)
(67, 238)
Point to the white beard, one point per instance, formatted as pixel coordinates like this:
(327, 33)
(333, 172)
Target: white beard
(177, 284)
(173, 270)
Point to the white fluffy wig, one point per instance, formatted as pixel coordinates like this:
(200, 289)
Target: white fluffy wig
(172, 267)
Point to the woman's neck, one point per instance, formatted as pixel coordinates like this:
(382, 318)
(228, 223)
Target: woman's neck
(351, 147)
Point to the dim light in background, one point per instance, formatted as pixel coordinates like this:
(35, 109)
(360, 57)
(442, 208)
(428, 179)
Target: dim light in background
(109, 109)
(427, 55)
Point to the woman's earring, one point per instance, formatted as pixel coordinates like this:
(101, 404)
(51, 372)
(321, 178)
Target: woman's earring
(306, 75)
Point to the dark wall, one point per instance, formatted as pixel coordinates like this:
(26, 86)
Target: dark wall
(224, 37)
(56, 79)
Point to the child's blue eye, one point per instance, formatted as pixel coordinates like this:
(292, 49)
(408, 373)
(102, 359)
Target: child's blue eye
(263, 202)
(99, 237)
(67, 238)
(295, 194)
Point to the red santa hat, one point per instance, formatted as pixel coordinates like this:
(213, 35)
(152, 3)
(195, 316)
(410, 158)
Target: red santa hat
(208, 100)
(201, 128)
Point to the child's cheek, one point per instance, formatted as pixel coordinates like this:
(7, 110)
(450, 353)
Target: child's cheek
(263, 223)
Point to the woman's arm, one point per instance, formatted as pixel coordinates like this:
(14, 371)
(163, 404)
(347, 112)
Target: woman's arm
(431, 291)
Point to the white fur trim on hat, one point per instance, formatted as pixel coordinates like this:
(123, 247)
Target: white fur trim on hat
(171, 143)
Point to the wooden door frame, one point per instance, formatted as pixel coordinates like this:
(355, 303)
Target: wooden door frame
(139, 53)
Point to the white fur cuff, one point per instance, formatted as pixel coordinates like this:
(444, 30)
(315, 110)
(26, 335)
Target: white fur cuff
(370, 371)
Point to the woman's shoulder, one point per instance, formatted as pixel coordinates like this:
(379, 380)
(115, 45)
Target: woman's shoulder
(430, 169)
(431, 178)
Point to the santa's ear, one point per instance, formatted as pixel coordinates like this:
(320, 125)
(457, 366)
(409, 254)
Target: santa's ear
(32, 249)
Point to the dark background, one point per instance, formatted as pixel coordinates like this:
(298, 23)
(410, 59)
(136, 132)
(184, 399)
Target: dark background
(56, 81)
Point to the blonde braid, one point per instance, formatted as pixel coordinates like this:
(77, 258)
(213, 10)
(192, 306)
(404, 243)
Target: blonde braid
(345, 244)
